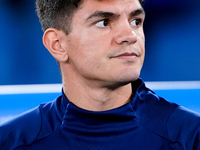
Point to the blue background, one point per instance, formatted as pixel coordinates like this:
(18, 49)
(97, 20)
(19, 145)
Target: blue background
(172, 29)
(12, 105)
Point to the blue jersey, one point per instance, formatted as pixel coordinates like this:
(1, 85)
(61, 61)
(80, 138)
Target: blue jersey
(148, 122)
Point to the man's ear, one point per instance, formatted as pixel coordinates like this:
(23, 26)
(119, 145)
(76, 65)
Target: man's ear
(52, 41)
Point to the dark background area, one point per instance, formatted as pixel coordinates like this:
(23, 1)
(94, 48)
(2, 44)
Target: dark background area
(172, 29)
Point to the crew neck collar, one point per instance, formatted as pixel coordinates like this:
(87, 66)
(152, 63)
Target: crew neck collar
(84, 121)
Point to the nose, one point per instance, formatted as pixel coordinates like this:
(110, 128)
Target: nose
(125, 34)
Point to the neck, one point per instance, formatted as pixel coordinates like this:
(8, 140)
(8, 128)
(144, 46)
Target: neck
(96, 98)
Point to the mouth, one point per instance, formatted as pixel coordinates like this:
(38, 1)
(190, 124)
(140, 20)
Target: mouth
(128, 56)
(126, 53)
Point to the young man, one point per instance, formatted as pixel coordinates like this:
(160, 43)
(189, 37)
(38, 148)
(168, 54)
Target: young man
(99, 45)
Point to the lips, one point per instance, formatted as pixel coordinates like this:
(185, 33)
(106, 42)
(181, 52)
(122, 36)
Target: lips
(126, 54)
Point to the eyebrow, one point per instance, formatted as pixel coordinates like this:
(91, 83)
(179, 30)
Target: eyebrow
(106, 14)
(137, 12)
(103, 14)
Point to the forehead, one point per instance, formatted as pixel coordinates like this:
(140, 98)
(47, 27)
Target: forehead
(110, 5)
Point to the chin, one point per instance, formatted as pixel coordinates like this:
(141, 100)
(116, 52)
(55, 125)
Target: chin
(131, 76)
(127, 78)
(123, 78)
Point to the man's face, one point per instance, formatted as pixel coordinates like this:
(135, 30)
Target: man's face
(106, 43)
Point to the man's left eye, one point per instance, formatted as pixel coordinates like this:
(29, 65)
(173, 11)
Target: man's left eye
(135, 22)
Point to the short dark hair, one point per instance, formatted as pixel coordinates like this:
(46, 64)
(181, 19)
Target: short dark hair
(58, 13)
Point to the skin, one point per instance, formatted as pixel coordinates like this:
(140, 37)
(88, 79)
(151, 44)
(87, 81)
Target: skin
(103, 53)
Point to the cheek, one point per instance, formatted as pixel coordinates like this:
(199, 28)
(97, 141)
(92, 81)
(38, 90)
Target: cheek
(141, 41)
(90, 46)
(85, 53)
(141, 45)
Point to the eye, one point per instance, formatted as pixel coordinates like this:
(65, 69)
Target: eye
(102, 23)
(136, 22)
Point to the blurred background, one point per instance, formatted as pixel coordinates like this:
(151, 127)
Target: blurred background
(172, 29)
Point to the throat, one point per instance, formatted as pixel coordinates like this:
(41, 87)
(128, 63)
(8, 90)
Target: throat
(102, 99)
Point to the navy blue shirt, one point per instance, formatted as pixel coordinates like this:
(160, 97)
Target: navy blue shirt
(148, 122)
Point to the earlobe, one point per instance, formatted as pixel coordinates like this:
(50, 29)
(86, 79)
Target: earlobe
(52, 41)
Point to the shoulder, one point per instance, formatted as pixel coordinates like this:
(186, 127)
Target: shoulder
(152, 110)
(184, 127)
(182, 115)
(27, 127)
(21, 130)
(167, 119)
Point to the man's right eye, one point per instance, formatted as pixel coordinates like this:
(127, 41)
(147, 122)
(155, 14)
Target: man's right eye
(102, 23)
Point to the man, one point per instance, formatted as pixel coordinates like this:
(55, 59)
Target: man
(99, 45)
